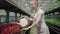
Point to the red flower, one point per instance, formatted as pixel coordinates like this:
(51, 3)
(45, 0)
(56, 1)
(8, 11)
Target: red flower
(10, 28)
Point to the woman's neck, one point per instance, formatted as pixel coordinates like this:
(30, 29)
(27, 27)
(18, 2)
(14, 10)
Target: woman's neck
(36, 9)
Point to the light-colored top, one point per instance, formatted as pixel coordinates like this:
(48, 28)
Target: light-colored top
(41, 14)
(41, 27)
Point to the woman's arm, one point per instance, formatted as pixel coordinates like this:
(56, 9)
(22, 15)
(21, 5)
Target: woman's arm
(29, 19)
(35, 22)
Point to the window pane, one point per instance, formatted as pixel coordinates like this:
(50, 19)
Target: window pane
(11, 16)
(2, 15)
(2, 19)
(18, 16)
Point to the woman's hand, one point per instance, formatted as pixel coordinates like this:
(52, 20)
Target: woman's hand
(29, 19)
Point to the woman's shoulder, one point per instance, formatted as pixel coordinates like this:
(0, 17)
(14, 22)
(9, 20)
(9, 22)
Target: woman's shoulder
(41, 11)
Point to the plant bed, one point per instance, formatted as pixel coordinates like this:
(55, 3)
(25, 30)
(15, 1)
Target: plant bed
(53, 25)
(55, 21)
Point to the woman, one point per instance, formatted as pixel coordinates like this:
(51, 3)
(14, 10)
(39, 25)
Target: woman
(38, 20)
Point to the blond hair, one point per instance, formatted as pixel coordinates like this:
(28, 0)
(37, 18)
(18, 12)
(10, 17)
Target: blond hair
(35, 2)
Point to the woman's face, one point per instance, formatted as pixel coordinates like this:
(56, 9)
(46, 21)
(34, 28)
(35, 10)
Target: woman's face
(34, 5)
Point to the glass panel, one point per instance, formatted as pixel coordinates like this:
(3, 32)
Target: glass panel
(18, 16)
(23, 4)
(2, 19)
(11, 16)
(2, 15)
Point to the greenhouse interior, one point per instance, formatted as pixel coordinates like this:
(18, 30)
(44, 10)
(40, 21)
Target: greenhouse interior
(12, 12)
